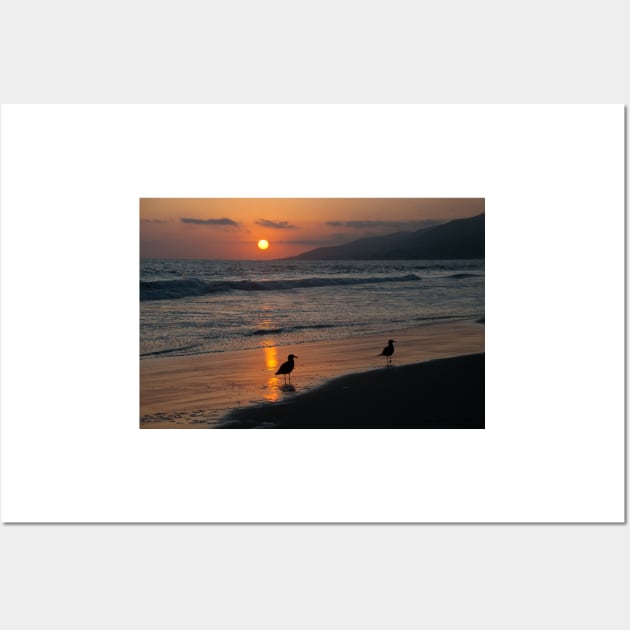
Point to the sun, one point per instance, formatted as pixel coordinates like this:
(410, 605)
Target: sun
(263, 244)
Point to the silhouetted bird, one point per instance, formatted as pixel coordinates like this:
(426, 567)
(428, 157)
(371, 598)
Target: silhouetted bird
(388, 350)
(287, 368)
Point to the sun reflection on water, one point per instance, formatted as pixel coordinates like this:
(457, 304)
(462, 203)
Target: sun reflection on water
(271, 363)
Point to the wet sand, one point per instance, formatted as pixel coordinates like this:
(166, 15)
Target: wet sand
(201, 391)
(439, 394)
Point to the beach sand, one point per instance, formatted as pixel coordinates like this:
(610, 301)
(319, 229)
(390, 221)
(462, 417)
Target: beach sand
(226, 389)
(439, 394)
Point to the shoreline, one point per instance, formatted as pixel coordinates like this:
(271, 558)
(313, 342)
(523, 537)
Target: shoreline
(200, 391)
(170, 353)
(438, 394)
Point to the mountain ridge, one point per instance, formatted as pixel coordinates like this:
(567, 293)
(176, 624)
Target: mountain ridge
(457, 239)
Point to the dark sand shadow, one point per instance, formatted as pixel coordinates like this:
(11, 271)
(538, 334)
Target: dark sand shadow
(439, 394)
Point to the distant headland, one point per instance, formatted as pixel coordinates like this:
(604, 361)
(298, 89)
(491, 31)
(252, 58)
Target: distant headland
(458, 239)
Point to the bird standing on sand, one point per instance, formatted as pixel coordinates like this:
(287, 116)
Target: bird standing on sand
(388, 350)
(287, 368)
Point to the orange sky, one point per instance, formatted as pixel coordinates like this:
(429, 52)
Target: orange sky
(231, 228)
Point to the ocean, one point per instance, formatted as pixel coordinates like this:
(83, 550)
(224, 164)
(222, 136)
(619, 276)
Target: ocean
(190, 307)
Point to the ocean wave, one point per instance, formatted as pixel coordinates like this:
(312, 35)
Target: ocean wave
(458, 276)
(194, 287)
(276, 331)
(265, 331)
(156, 353)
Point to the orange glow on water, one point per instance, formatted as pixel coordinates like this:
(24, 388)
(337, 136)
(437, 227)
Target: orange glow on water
(271, 363)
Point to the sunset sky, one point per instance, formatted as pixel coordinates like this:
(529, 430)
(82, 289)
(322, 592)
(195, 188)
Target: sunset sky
(231, 228)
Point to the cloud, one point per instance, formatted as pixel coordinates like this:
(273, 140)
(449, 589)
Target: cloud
(276, 225)
(224, 221)
(153, 221)
(393, 225)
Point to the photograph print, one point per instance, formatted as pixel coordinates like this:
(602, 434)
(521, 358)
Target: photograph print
(312, 313)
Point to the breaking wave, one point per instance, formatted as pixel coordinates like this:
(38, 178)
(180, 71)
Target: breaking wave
(193, 287)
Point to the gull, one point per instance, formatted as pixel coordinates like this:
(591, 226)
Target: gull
(287, 368)
(388, 350)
